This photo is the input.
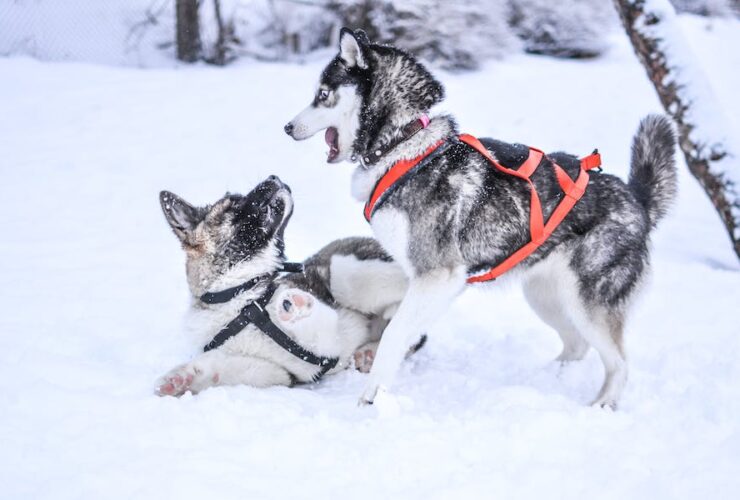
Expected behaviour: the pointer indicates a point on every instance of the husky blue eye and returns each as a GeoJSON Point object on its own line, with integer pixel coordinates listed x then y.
{"type": "Point", "coordinates": [287, 305]}
{"type": "Point", "coordinates": [323, 94]}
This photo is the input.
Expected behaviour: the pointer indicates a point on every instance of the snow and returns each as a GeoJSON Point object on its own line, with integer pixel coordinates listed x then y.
{"type": "Point", "coordinates": [712, 130]}
{"type": "Point", "coordinates": [93, 289]}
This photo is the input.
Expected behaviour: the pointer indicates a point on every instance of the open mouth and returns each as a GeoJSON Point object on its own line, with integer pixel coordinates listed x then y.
{"type": "Point", "coordinates": [283, 204]}
{"type": "Point", "coordinates": [280, 198]}
{"type": "Point", "coordinates": [282, 201]}
{"type": "Point", "coordinates": [275, 194]}
{"type": "Point", "coordinates": [331, 136]}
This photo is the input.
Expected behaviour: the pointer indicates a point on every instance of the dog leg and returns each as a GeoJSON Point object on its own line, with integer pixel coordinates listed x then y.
{"type": "Point", "coordinates": [604, 333]}
{"type": "Point", "coordinates": [553, 291]}
{"type": "Point", "coordinates": [574, 346]}
{"type": "Point", "coordinates": [217, 368]}
{"type": "Point", "coordinates": [615, 363]}
{"type": "Point", "coordinates": [427, 298]}
{"type": "Point", "coordinates": [542, 294]}
{"type": "Point", "coordinates": [365, 355]}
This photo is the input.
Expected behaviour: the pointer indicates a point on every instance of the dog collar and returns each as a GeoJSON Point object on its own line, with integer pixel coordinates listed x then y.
{"type": "Point", "coordinates": [408, 131]}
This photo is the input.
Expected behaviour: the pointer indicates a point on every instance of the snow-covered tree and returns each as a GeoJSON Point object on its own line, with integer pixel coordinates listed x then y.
{"type": "Point", "coordinates": [459, 34]}
{"type": "Point", "coordinates": [706, 7]}
{"type": "Point", "coordinates": [575, 28]}
{"type": "Point", "coordinates": [707, 140]}
{"type": "Point", "coordinates": [281, 29]}
{"type": "Point", "coordinates": [451, 34]}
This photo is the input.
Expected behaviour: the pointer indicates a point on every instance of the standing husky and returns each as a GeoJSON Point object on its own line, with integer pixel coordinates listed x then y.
{"type": "Point", "coordinates": [458, 216]}
{"type": "Point", "coordinates": [338, 304]}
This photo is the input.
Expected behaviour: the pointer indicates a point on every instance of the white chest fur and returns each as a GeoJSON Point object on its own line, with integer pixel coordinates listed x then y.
{"type": "Point", "coordinates": [391, 229]}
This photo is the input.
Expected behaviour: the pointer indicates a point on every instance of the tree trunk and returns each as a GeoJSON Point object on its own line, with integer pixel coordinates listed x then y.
{"type": "Point", "coordinates": [219, 56]}
{"type": "Point", "coordinates": [188, 30]}
{"type": "Point", "coordinates": [705, 137]}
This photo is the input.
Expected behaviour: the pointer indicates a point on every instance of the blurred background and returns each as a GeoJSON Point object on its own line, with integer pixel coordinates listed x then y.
{"type": "Point", "coordinates": [454, 35]}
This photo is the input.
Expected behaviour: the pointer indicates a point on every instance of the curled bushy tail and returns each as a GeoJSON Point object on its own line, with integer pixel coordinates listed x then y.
{"type": "Point", "coordinates": [653, 178]}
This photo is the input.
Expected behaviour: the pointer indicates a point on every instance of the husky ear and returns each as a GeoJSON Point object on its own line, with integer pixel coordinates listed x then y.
{"type": "Point", "coordinates": [350, 47]}
{"type": "Point", "coordinates": [181, 215]}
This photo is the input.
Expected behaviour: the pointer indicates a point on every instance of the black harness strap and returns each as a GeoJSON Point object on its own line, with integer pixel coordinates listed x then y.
{"type": "Point", "coordinates": [292, 267]}
{"type": "Point", "coordinates": [224, 296]}
{"type": "Point", "coordinates": [255, 313]}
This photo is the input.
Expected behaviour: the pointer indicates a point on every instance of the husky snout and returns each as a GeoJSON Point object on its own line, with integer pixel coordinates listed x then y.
{"type": "Point", "coordinates": [278, 182]}
{"type": "Point", "coordinates": [307, 123]}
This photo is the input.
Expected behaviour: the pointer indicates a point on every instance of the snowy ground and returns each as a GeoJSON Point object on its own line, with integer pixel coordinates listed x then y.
{"type": "Point", "coordinates": [92, 292]}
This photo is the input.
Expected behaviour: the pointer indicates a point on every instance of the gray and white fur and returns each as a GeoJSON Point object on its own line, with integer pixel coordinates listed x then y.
{"type": "Point", "coordinates": [336, 308]}
{"type": "Point", "coordinates": [458, 216]}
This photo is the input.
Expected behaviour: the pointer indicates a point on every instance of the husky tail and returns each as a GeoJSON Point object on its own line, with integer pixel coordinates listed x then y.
{"type": "Point", "coordinates": [653, 178]}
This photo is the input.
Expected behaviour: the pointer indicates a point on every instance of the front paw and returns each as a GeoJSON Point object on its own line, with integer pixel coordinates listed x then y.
{"type": "Point", "coordinates": [368, 395]}
{"type": "Point", "coordinates": [294, 305]}
{"type": "Point", "coordinates": [184, 378]}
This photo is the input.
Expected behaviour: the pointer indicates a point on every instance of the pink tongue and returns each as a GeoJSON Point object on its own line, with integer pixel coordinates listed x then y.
{"type": "Point", "coordinates": [330, 136]}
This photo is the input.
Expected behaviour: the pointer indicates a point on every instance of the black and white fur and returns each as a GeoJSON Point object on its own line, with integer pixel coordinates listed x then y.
{"type": "Point", "coordinates": [336, 308]}
{"type": "Point", "coordinates": [458, 216]}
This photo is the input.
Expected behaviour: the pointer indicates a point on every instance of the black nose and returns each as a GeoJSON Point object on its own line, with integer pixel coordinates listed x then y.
{"type": "Point", "coordinates": [276, 181]}
{"type": "Point", "coordinates": [289, 128]}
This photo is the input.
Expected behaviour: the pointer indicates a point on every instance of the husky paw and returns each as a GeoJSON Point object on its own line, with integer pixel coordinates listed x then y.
{"type": "Point", "coordinates": [605, 403]}
{"type": "Point", "coordinates": [364, 358]}
{"type": "Point", "coordinates": [294, 305]}
{"type": "Point", "coordinates": [181, 380]}
{"type": "Point", "coordinates": [368, 395]}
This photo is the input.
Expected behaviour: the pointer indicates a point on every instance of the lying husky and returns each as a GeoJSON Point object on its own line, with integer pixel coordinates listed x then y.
{"type": "Point", "coordinates": [261, 330]}
{"type": "Point", "coordinates": [454, 215]}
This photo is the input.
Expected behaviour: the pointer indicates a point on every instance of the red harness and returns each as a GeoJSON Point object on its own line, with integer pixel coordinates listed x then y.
{"type": "Point", "coordinates": [538, 229]}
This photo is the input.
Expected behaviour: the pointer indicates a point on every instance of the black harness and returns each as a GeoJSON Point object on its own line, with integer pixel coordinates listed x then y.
{"type": "Point", "coordinates": [254, 313]}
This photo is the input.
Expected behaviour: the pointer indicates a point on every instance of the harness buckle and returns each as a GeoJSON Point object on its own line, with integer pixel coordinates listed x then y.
{"type": "Point", "coordinates": [592, 162]}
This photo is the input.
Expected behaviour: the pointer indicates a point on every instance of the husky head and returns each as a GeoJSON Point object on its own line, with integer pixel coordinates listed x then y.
{"type": "Point", "coordinates": [366, 95]}
{"type": "Point", "coordinates": [237, 238]}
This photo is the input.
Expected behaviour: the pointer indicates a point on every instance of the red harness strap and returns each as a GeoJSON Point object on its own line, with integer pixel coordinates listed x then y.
{"type": "Point", "coordinates": [539, 230]}
{"type": "Point", "coordinates": [398, 170]}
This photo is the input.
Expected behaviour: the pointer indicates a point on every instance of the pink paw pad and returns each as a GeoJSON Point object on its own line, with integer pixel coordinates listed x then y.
{"type": "Point", "coordinates": [294, 305]}
{"type": "Point", "coordinates": [175, 385]}
{"type": "Point", "coordinates": [364, 360]}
